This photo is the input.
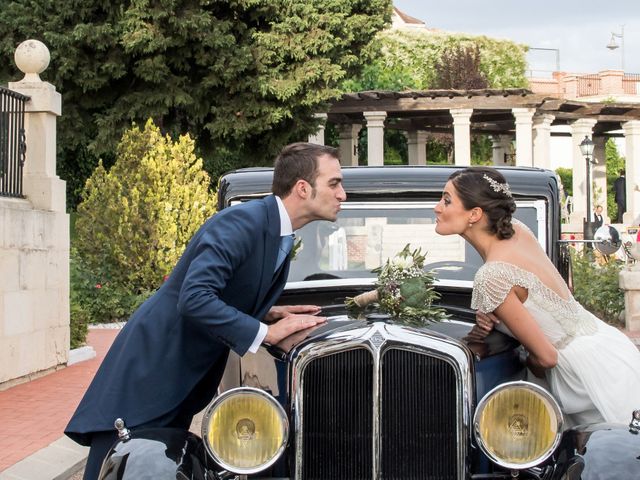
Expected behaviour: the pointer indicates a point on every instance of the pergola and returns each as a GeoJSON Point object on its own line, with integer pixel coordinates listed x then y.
{"type": "Point", "coordinates": [505, 115]}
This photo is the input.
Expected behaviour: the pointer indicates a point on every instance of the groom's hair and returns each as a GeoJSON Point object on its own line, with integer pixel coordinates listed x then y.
{"type": "Point", "coordinates": [298, 161]}
{"type": "Point", "coordinates": [486, 188]}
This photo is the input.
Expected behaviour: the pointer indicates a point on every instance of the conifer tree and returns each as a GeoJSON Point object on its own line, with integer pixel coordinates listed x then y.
{"type": "Point", "coordinates": [136, 219]}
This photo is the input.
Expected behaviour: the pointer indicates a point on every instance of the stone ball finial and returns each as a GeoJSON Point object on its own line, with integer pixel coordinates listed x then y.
{"type": "Point", "coordinates": [32, 58]}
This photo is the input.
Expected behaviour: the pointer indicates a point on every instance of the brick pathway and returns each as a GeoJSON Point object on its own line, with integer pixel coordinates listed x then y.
{"type": "Point", "coordinates": [34, 414]}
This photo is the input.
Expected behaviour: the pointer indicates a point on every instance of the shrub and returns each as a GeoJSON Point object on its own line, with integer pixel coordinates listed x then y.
{"type": "Point", "coordinates": [136, 219]}
{"type": "Point", "coordinates": [596, 285]}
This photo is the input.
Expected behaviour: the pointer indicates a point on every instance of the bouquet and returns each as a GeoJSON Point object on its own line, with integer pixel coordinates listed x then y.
{"type": "Point", "coordinates": [404, 289]}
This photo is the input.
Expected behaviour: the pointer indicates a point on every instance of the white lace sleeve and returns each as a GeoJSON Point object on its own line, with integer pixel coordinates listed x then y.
{"type": "Point", "coordinates": [491, 285]}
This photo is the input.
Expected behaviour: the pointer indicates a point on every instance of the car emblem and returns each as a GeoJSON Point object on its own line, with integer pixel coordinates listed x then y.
{"type": "Point", "coordinates": [518, 426]}
{"type": "Point", "coordinates": [245, 429]}
{"type": "Point", "coordinates": [376, 339]}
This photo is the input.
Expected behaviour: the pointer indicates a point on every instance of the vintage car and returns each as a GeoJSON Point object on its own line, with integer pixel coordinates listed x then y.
{"type": "Point", "coordinates": [368, 397]}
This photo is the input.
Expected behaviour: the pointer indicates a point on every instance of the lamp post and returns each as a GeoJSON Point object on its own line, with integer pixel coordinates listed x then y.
{"type": "Point", "coordinates": [586, 148]}
{"type": "Point", "coordinates": [612, 45]}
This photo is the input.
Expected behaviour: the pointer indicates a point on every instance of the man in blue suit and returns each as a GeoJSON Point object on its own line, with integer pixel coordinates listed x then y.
{"type": "Point", "coordinates": [167, 362]}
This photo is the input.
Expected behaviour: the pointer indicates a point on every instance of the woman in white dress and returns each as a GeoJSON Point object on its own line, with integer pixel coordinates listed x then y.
{"type": "Point", "coordinates": [592, 368]}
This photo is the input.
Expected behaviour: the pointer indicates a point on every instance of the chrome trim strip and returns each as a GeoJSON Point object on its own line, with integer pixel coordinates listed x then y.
{"type": "Point", "coordinates": [364, 281]}
{"type": "Point", "coordinates": [393, 337]}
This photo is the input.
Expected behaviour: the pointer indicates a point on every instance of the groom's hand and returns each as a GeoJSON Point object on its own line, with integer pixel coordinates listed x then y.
{"type": "Point", "coordinates": [278, 312]}
{"type": "Point", "coordinates": [291, 324]}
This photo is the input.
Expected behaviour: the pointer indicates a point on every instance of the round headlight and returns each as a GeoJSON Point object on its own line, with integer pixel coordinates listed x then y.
{"type": "Point", "coordinates": [518, 425]}
{"type": "Point", "coordinates": [245, 430]}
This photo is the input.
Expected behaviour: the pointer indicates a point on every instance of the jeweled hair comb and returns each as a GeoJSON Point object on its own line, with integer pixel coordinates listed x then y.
{"type": "Point", "coordinates": [497, 186]}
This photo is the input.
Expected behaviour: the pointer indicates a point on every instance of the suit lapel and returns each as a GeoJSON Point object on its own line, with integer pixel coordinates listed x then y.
{"type": "Point", "coordinates": [272, 243]}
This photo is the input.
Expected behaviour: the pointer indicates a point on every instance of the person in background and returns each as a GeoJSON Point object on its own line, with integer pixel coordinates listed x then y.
{"type": "Point", "coordinates": [166, 364]}
{"type": "Point", "coordinates": [620, 195]}
{"type": "Point", "coordinates": [597, 219]}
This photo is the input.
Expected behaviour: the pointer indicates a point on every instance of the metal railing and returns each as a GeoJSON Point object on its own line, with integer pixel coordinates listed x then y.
{"type": "Point", "coordinates": [13, 146]}
{"type": "Point", "coordinates": [631, 83]}
{"type": "Point", "coordinates": [588, 85]}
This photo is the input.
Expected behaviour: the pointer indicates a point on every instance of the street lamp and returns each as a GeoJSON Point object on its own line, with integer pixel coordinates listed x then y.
{"type": "Point", "coordinates": [586, 148]}
{"type": "Point", "coordinates": [612, 45]}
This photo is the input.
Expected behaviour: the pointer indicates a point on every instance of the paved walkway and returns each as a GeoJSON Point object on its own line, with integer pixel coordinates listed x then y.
{"type": "Point", "coordinates": [33, 416]}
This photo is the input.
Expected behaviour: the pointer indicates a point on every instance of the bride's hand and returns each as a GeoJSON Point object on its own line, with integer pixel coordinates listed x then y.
{"type": "Point", "coordinates": [486, 322]}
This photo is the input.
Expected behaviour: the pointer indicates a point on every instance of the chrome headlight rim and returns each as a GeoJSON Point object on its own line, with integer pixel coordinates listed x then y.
{"type": "Point", "coordinates": [549, 400]}
{"type": "Point", "coordinates": [216, 403]}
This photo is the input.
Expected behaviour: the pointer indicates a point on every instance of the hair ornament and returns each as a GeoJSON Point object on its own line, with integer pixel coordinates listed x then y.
{"type": "Point", "coordinates": [497, 186]}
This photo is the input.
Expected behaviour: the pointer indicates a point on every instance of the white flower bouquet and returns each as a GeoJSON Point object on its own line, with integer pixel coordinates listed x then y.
{"type": "Point", "coordinates": [404, 289]}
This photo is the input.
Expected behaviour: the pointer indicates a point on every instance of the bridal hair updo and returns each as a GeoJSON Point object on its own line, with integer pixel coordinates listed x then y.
{"type": "Point", "coordinates": [487, 188]}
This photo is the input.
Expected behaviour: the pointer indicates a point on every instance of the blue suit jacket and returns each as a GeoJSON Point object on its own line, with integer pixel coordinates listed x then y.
{"type": "Point", "coordinates": [173, 350]}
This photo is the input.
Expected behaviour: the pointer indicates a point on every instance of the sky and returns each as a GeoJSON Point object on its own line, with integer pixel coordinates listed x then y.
{"type": "Point", "coordinates": [577, 31]}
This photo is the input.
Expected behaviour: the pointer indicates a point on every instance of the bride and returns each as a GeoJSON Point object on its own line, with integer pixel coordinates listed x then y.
{"type": "Point", "coordinates": [592, 368]}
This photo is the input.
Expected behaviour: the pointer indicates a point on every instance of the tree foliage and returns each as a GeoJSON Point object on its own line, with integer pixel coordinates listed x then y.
{"type": "Point", "coordinates": [136, 219]}
{"type": "Point", "coordinates": [409, 59]}
{"type": "Point", "coordinates": [243, 76]}
{"type": "Point", "coordinates": [459, 68]}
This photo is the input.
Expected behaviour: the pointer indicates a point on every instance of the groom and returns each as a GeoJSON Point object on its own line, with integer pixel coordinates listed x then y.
{"type": "Point", "coordinates": [167, 362]}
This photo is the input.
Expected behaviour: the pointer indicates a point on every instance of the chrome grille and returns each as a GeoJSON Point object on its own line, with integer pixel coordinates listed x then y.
{"type": "Point", "coordinates": [418, 421]}
{"type": "Point", "coordinates": [338, 429]}
{"type": "Point", "coordinates": [372, 409]}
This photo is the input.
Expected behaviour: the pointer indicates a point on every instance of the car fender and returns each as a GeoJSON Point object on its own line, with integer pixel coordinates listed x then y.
{"type": "Point", "coordinates": [601, 451]}
{"type": "Point", "coordinates": [158, 453]}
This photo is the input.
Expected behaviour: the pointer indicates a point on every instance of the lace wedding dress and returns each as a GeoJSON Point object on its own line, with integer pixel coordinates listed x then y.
{"type": "Point", "coordinates": [597, 377]}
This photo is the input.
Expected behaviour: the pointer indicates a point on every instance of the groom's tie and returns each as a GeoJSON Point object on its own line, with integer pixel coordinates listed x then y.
{"type": "Point", "coordinates": [286, 244]}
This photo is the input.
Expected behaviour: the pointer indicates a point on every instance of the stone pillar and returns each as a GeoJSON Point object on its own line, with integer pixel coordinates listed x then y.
{"type": "Point", "coordinates": [34, 250]}
{"type": "Point", "coordinates": [318, 137]}
{"type": "Point", "coordinates": [524, 134]}
{"type": "Point", "coordinates": [632, 171]}
{"type": "Point", "coordinates": [541, 140]}
{"type": "Point", "coordinates": [42, 186]}
{"type": "Point", "coordinates": [375, 137]}
{"type": "Point", "coordinates": [462, 135]}
{"type": "Point", "coordinates": [348, 147]}
{"type": "Point", "coordinates": [501, 145]}
{"type": "Point", "coordinates": [580, 129]}
{"type": "Point", "coordinates": [611, 82]}
{"type": "Point", "coordinates": [599, 175]}
{"type": "Point", "coordinates": [417, 147]}
{"type": "Point", "coordinates": [629, 281]}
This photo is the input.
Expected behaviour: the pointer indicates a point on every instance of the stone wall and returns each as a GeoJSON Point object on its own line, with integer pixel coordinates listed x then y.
{"type": "Point", "coordinates": [34, 238]}
{"type": "Point", "coordinates": [34, 289]}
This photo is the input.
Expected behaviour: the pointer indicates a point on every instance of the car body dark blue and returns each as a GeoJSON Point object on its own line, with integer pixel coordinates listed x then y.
{"type": "Point", "coordinates": [367, 396]}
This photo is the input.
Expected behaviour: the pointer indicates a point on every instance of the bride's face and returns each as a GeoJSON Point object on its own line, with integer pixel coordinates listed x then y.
{"type": "Point", "coordinates": [451, 216]}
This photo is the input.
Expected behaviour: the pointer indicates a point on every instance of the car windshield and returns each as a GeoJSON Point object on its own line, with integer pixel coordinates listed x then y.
{"type": "Point", "coordinates": [365, 235]}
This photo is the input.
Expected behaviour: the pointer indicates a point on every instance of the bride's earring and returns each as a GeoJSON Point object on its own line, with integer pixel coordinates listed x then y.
{"type": "Point", "coordinates": [470, 224]}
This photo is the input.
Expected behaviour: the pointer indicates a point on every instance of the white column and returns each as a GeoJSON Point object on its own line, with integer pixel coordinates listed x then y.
{"type": "Point", "coordinates": [501, 145]}
{"type": "Point", "coordinates": [348, 147]}
{"type": "Point", "coordinates": [580, 129]}
{"type": "Point", "coordinates": [375, 137]}
{"type": "Point", "coordinates": [599, 175]}
{"type": "Point", "coordinates": [417, 147]}
{"type": "Point", "coordinates": [462, 135]}
{"type": "Point", "coordinates": [632, 171]}
{"type": "Point", "coordinates": [524, 134]}
{"type": "Point", "coordinates": [542, 140]}
{"type": "Point", "coordinates": [318, 137]}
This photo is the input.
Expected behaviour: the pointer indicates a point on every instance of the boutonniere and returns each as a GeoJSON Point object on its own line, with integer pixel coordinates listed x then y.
{"type": "Point", "coordinates": [297, 247]}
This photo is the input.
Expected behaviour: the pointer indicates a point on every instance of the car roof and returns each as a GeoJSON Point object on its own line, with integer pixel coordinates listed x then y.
{"type": "Point", "coordinates": [392, 181]}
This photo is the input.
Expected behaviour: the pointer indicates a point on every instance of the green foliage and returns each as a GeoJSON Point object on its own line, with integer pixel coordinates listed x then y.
{"type": "Point", "coordinates": [596, 285]}
{"type": "Point", "coordinates": [95, 301]}
{"type": "Point", "coordinates": [135, 220]}
{"type": "Point", "coordinates": [566, 177]}
{"type": "Point", "coordinates": [409, 60]}
{"type": "Point", "coordinates": [614, 163]}
{"type": "Point", "coordinates": [246, 75]}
